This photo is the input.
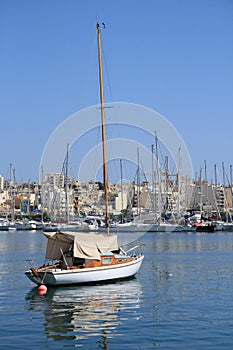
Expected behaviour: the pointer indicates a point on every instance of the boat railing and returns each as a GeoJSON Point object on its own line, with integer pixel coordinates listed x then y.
{"type": "Point", "coordinates": [136, 248]}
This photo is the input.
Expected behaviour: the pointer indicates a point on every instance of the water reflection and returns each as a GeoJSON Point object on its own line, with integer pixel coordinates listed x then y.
{"type": "Point", "coordinates": [82, 312]}
{"type": "Point", "coordinates": [185, 242]}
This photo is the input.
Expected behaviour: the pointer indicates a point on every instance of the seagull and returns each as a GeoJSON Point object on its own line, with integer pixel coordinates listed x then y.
{"type": "Point", "coordinates": [104, 26]}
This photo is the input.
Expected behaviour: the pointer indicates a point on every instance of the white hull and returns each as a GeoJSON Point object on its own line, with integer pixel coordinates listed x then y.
{"type": "Point", "coordinates": [227, 226]}
{"type": "Point", "coordinates": [218, 226]}
{"type": "Point", "coordinates": [188, 228]}
{"type": "Point", "coordinates": [169, 228]}
{"type": "Point", "coordinates": [56, 277]}
{"type": "Point", "coordinates": [153, 227]}
{"type": "Point", "coordinates": [131, 227]}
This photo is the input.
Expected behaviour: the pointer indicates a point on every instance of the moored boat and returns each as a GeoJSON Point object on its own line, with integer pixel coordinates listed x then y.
{"type": "Point", "coordinates": [205, 227]}
{"type": "Point", "coordinates": [227, 226]}
{"type": "Point", "coordinates": [169, 227]}
{"type": "Point", "coordinates": [79, 257]}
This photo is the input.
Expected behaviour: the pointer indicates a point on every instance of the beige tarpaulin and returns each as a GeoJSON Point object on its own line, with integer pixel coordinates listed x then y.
{"type": "Point", "coordinates": [57, 242]}
{"type": "Point", "coordinates": [89, 246]}
{"type": "Point", "coordinates": [85, 245]}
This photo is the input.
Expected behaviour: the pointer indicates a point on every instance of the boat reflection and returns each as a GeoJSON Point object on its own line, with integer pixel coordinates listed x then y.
{"type": "Point", "coordinates": [87, 311]}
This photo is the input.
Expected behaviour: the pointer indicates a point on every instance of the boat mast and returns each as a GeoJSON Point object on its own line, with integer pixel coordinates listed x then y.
{"type": "Point", "coordinates": [105, 174]}
{"type": "Point", "coordinates": [12, 196]}
{"type": "Point", "coordinates": [138, 185]}
{"type": "Point", "coordinates": [179, 183]}
{"type": "Point", "coordinates": [159, 200]}
{"type": "Point", "coordinates": [42, 194]}
{"type": "Point", "coordinates": [121, 193]}
{"type": "Point", "coordinates": [66, 185]}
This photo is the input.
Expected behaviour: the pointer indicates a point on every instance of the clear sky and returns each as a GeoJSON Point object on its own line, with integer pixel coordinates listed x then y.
{"type": "Point", "coordinates": [173, 56]}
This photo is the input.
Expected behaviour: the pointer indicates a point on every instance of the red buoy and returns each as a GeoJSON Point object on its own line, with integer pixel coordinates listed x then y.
{"type": "Point", "coordinates": [42, 289]}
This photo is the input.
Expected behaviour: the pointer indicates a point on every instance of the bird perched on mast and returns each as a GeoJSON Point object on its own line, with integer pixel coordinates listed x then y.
{"type": "Point", "coordinates": [98, 26]}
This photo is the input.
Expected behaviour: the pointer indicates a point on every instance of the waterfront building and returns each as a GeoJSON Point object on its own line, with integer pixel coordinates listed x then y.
{"type": "Point", "coordinates": [64, 196]}
{"type": "Point", "coordinates": [55, 180]}
{"type": "Point", "coordinates": [121, 201]}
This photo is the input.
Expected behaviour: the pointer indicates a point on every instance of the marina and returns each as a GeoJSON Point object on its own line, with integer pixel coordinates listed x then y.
{"type": "Point", "coordinates": [116, 222]}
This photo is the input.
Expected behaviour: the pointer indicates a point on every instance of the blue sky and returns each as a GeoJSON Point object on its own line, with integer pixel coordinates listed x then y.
{"type": "Point", "coordinates": [173, 56]}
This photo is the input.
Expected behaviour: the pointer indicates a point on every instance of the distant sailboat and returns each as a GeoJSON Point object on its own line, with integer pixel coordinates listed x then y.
{"type": "Point", "coordinates": [79, 258]}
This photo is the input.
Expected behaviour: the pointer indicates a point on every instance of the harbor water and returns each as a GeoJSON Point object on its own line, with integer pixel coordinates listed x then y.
{"type": "Point", "coordinates": [180, 299]}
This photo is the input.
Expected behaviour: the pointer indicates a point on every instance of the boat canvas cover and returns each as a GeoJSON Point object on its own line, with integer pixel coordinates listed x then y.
{"type": "Point", "coordinates": [84, 245]}
{"type": "Point", "coordinates": [57, 243]}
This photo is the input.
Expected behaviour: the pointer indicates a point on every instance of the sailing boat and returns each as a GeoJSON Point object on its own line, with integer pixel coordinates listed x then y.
{"type": "Point", "coordinates": [78, 257]}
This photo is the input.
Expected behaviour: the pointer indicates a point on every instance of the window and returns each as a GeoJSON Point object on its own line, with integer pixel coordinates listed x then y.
{"type": "Point", "coordinates": [107, 261]}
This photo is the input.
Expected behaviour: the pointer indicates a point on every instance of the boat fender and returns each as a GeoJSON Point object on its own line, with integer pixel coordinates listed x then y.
{"type": "Point", "coordinates": [42, 289]}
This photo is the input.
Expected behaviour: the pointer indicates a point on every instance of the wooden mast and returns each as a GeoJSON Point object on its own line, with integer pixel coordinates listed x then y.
{"type": "Point", "coordinates": [105, 173]}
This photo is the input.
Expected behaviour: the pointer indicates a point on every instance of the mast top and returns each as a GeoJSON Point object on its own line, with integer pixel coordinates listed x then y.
{"type": "Point", "coordinates": [98, 25]}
